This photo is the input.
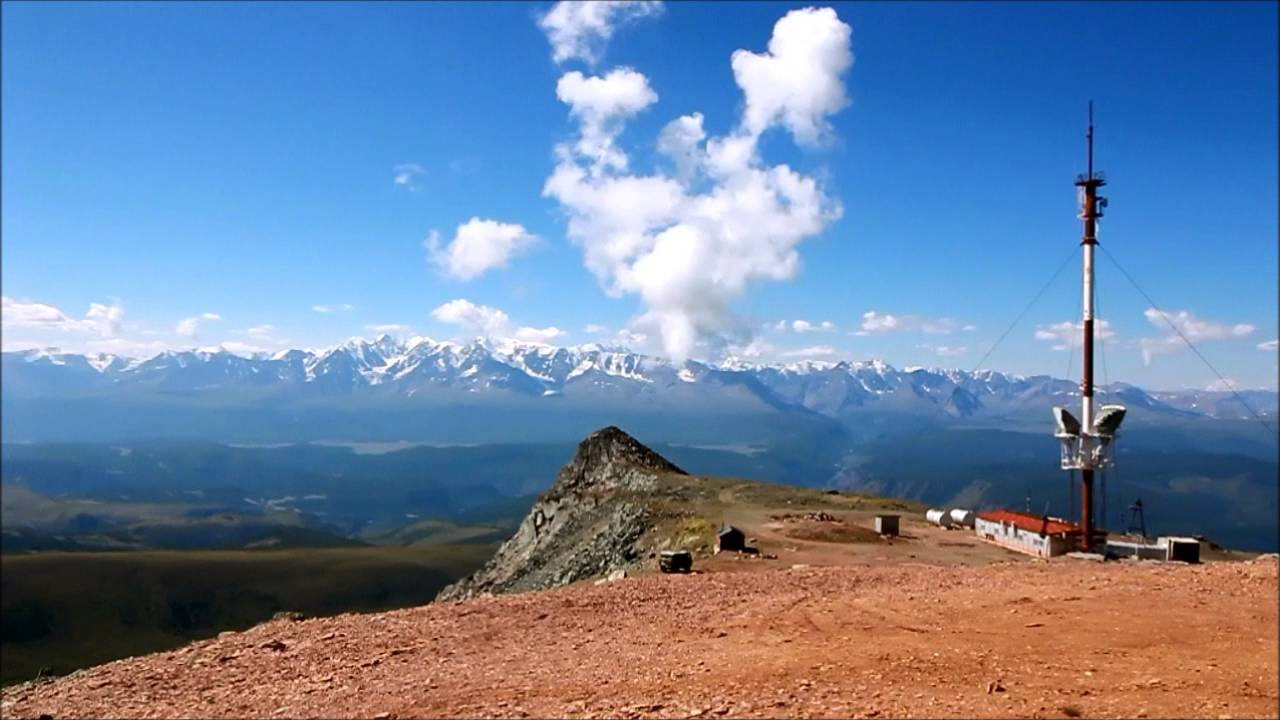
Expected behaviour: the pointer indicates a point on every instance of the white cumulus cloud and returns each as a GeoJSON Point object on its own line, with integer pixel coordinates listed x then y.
{"type": "Point", "coordinates": [491, 322]}
{"type": "Point", "coordinates": [581, 29]}
{"type": "Point", "coordinates": [480, 318]}
{"type": "Point", "coordinates": [262, 337]}
{"type": "Point", "coordinates": [101, 319]}
{"type": "Point", "coordinates": [814, 351]}
{"type": "Point", "coordinates": [681, 141]}
{"type": "Point", "coordinates": [478, 246]}
{"type": "Point", "coordinates": [1192, 328]}
{"type": "Point", "coordinates": [632, 339]}
{"type": "Point", "coordinates": [804, 326]}
{"type": "Point", "coordinates": [16, 313]}
{"type": "Point", "coordinates": [104, 319]}
{"type": "Point", "coordinates": [797, 83]}
{"type": "Point", "coordinates": [1067, 334]}
{"type": "Point", "coordinates": [757, 349]}
{"type": "Point", "coordinates": [602, 105]}
{"type": "Point", "coordinates": [1271, 345]}
{"type": "Point", "coordinates": [189, 327]}
{"type": "Point", "coordinates": [406, 175]}
{"type": "Point", "coordinates": [689, 243]}
{"type": "Point", "coordinates": [875, 323]}
{"type": "Point", "coordinates": [535, 334]}
{"type": "Point", "coordinates": [332, 308]}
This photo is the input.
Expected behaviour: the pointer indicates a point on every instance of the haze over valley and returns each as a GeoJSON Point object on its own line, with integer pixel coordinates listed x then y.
{"type": "Point", "coordinates": [430, 425]}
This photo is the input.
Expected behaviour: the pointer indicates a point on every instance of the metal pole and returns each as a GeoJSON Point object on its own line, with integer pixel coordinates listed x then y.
{"type": "Point", "coordinates": [1089, 213]}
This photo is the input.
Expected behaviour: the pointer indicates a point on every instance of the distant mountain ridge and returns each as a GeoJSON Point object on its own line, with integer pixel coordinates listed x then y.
{"type": "Point", "coordinates": [947, 436]}
{"type": "Point", "coordinates": [386, 368]}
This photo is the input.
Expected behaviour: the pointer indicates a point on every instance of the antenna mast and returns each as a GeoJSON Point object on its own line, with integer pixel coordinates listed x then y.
{"type": "Point", "coordinates": [1088, 443]}
{"type": "Point", "coordinates": [1090, 204]}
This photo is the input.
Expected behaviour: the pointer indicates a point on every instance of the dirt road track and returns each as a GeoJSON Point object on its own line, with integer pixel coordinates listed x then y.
{"type": "Point", "coordinates": [1059, 639]}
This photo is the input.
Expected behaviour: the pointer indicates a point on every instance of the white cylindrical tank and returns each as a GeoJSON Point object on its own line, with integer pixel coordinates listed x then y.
{"type": "Point", "coordinates": [938, 517]}
{"type": "Point", "coordinates": [962, 517]}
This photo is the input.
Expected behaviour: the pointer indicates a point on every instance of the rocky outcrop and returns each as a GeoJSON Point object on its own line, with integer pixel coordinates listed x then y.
{"type": "Point", "coordinates": [589, 523]}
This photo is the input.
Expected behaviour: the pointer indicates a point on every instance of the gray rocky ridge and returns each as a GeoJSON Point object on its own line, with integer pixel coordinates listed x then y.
{"type": "Point", "coordinates": [589, 523]}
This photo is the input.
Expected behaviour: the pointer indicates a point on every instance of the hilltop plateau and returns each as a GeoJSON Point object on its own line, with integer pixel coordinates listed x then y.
{"type": "Point", "coordinates": [1062, 639]}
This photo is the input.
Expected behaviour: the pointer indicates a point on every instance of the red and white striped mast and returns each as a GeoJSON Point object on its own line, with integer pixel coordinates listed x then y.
{"type": "Point", "coordinates": [1088, 444]}
{"type": "Point", "coordinates": [1089, 214]}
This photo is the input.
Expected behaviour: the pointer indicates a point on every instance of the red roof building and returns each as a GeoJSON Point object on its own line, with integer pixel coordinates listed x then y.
{"type": "Point", "coordinates": [1031, 523]}
{"type": "Point", "coordinates": [1037, 535]}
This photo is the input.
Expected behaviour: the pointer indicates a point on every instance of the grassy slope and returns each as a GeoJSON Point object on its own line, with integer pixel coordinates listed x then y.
{"type": "Point", "coordinates": [689, 509]}
{"type": "Point", "coordinates": [66, 610]}
{"type": "Point", "coordinates": [436, 532]}
{"type": "Point", "coordinates": [97, 607]}
{"type": "Point", "coordinates": [35, 522]}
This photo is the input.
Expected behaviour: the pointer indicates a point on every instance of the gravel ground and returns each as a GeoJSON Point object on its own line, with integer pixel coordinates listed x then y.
{"type": "Point", "coordinates": [1061, 639]}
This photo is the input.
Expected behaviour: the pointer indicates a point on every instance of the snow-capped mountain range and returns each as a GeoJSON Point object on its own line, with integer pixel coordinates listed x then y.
{"type": "Point", "coordinates": [422, 368]}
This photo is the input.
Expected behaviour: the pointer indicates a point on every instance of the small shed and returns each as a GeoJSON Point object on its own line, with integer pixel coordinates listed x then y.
{"type": "Point", "coordinates": [1181, 549]}
{"type": "Point", "coordinates": [675, 561]}
{"type": "Point", "coordinates": [887, 524]}
{"type": "Point", "coordinates": [731, 538]}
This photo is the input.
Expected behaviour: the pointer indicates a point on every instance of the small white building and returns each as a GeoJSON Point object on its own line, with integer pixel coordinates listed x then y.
{"type": "Point", "coordinates": [1025, 533]}
{"type": "Point", "coordinates": [1181, 549]}
{"type": "Point", "coordinates": [1170, 549]}
{"type": "Point", "coordinates": [887, 524]}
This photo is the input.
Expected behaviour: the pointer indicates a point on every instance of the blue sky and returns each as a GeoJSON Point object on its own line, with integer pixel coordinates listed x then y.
{"type": "Point", "coordinates": [252, 162]}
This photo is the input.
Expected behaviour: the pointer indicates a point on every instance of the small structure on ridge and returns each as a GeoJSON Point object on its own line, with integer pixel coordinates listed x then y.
{"type": "Point", "coordinates": [731, 539]}
{"type": "Point", "coordinates": [887, 525]}
{"type": "Point", "coordinates": [1042, 536]}
{"type": "Point", "coordinates": [671, 561]}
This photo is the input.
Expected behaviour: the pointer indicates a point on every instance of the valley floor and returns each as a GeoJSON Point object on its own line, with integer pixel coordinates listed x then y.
{"type": "Point", "coordinates": [1066, 638]}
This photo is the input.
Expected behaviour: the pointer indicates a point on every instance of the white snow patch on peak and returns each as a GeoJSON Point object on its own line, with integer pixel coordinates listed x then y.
{"type": "Point", "coordinates": [101, 361]}
{"type": "Point", "coordinates": [621, 365]}
{"type": "Point", "coordinates": [736, 363]}
{"type": "Point", "coordinates": [580, 369]}
{"type": "Point", "coordinates": [879, 366]}
{"type": "Point", "coordinates": [687, 375]}
{"type": "Point", "coordinates": [802, 367]}
{"type": "Point", "coordinates": [52, 354]}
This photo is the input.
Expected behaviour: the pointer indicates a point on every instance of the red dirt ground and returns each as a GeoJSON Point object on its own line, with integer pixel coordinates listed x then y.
{"type": "Point", "coordinates": [1059, 639]}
